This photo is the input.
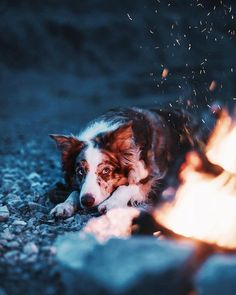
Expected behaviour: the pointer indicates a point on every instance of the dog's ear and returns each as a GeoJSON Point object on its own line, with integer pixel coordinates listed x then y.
{"type": "Point", "coordinates": [121, 142]}
{"type": "Point", "coordinates": [65, 143]}
{"type": "Point", "coordinates": [121, 139]}
{"type": "Point", "coordinates": [70, 147]}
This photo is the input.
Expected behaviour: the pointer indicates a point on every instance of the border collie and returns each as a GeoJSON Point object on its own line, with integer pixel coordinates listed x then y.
{"type": "Point", "coordinates": [120, 158]}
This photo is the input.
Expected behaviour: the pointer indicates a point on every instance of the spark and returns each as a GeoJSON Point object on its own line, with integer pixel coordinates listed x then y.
{"type": "Point", "coordinates": [129, 17]}
{"type": "Point", "coordinates": [200, 4]}
{"type": "Point", "coordinates": [165, 73]}
{"type": "Point", "coordinates": [212, 86]}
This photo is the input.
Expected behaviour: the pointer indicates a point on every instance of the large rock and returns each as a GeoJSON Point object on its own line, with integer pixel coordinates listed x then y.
{"type": "Point", "coordinates": [217, 276]}
{"type": "Point", "coordinates": [140, 265]}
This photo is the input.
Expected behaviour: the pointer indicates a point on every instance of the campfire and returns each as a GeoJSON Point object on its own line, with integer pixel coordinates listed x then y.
{"type": "Point", "coordinates": [204, 207]}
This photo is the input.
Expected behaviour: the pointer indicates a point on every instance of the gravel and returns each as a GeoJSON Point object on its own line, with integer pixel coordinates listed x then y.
{"type": "Point", "coordinates": [27, 232]}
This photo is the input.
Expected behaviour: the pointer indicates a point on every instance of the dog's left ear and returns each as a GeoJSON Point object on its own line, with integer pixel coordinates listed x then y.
{"type": "Point", "coordinates": [70, 147]}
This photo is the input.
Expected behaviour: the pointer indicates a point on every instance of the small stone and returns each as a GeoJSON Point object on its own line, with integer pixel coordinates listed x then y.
{"type": "Point", "coordinates": [12, 245]}
{"type": "Point", "coordinates": [3, 242]}
{"type": "Point", "coordinates": [32, 258]}
{"type": "Point", "coordinates": [34, 176]}
{"type": "Point", "coordinates": [69, 220]}
{"type": "Point", "coordinates": [11, 255]}
{"type": "Point", "coordinates": [17, 230]}
{"type": "Point", "coordinates": [31, 222]}
{"type": "Point", "coordinates": [23, 256]}
{"type": "Point", "coordinates": [38, 207]}
{"type": "Point", "coordinates": [13, 199]}
{"type": "Point", "coordinates": [30, 249]}
{"type": "Point", "coordinates": [7, 186]}
{"type": "Point", "coordinates": [7, 235]}
{"type": "Point", "coordinates": [4, 213]}
{"type": "Point", "coordinates": [19, 223]}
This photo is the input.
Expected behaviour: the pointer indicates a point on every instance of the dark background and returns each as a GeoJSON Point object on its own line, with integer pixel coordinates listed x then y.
{"type": "Point", "coordinates": [62, 62]}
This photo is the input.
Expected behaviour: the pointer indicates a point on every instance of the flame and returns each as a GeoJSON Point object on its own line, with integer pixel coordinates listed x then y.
{"type": "Point", "coordinates": [205, 204]}
{"type": "Point", "coordinates": [220, 149]}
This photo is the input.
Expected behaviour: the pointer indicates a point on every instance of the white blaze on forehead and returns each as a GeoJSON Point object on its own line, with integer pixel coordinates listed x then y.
{"type": "Point", "coordinates": [93, 156]}
{"type": "Point", "coordinates": [96, 128]}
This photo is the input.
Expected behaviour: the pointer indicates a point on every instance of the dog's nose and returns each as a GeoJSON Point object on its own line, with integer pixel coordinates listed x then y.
{"type": "Point", "coordinates": [87, 200]}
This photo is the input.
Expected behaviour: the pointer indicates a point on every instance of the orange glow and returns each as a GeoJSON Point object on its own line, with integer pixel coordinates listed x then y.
{"type": "Point", "coordinates": [205, 204]}
{"type": "Point", "coordinates": [221, 149]}
{"type": "Point", "coordinates": [116, 223]}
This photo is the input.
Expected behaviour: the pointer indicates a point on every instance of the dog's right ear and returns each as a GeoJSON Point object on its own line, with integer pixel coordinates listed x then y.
{"type": "Point", "coordinates": [70, 147]}
{"type": "Point", "coordinates": [65, 143]}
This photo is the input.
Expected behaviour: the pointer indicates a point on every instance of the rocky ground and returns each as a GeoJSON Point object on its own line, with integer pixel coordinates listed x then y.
{"type": "Point", "coordinates": [27, 232]}
{"type": "Point", "coordinates": [63, 64]}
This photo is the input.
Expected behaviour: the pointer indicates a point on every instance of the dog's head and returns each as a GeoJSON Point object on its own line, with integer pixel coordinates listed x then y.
{"type": "Point", "coordinates": [100, 165]}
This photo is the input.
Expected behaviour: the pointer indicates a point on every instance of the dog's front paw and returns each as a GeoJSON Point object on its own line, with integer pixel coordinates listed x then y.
{"type": "Point", "coordinates": [63, 210]}
{"type": "Point", "coordinates": [102, 209]}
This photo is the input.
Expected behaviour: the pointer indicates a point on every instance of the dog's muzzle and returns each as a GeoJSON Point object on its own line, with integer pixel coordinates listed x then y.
{"type": "Point", "coordinates": [87, 200]}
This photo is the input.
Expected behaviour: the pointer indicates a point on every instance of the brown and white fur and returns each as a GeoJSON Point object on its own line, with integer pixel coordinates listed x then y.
{"type": "Point", "coordinates": [120, 157]}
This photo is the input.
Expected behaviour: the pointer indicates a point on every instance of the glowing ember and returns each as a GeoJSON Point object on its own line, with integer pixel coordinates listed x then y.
{"type": "Point", "coordinates": [165, 73]}
{"type": "Point", "coordinates": [205, 204]}
{"type": "Point", "coordinates": [212, 86]}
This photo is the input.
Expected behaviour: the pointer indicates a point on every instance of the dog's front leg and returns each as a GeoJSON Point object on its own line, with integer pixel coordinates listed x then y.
{"type": "Point", "coordinates": [67, 208]}
{"type": "Point", "coordinates": [121, 197]}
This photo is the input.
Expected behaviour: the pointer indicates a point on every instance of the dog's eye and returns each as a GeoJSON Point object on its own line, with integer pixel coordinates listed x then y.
{"type": "Point", "coordinates": [80, 171]}
{"type": "Point", "coordinates": [106, 171]}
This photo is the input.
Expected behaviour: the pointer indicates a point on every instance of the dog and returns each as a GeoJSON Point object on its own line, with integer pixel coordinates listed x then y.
{"type": "Point", "coordinates": [120, 158]}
